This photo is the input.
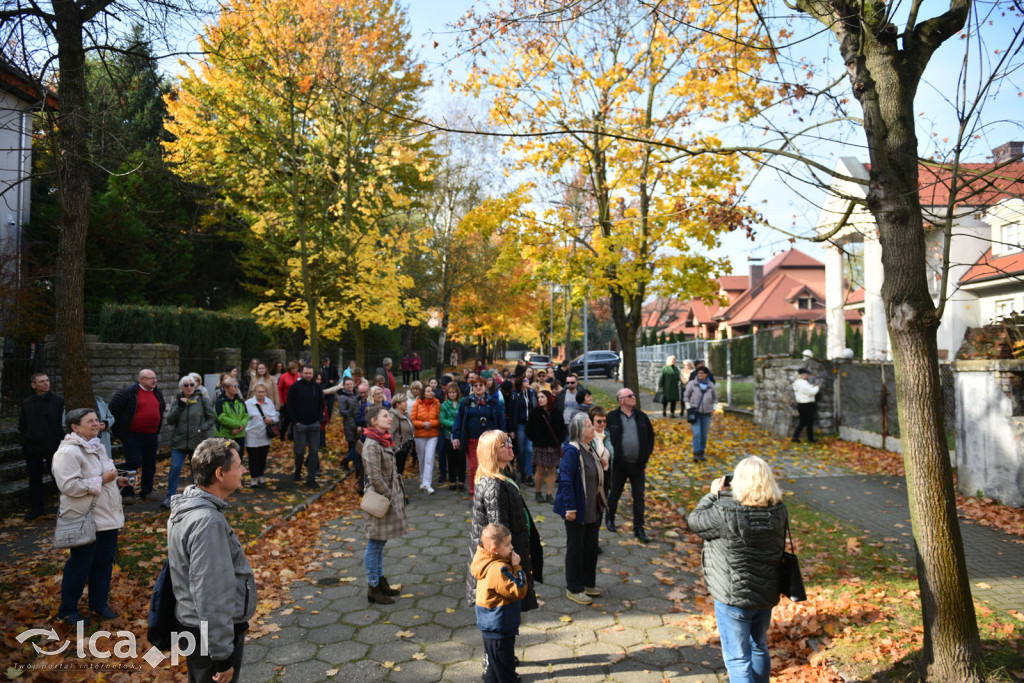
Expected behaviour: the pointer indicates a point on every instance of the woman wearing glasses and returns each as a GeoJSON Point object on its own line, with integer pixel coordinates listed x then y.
{"type": "Point", "coordinates": [497, 500]}
{"type": "Point", "coordinates": [192, 417]}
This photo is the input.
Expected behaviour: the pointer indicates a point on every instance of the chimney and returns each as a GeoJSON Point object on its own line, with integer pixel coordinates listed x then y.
{"type": "Point", "coordinates": [1008, 151]}
{"type": "Point", "coordinates": [756, 271]}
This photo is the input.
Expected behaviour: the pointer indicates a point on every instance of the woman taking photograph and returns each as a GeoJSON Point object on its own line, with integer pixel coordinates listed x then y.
{"type": "Point", "coordinates": [669, 385]}
{"type": "Point", "coordinates": [193, 417]}
{"type": "Point", "coordinates": [266, 380]}
{"type": "Point", "coordinates": [702, 397]}
{"type": "Point", "coordinates": [546, 431]}
{"type": "Point", "coordinates": [384, 478]}
{"type": "Point", "coordinates": [262, 414]}
{"type": "Point", "coordinates": [743, 524]}
{"type": "Point", "coordinates": [580, 502]}
{"type": "Point", "coordinates": [456, 457]}
{"type": "Point", "coordinates": [87, 479]}
{"type": "Point", "coordinates": [426, 424]}
{"type": "Point", "coordinates": [497, 500]}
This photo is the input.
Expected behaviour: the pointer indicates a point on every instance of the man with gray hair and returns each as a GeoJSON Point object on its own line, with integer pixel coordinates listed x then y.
{"type": "Point", "coordinates": [632, 443]}
{"type": "Point", "coordinates": [213, 582]}
{"type": "Point", "coordinates": [138, 412]}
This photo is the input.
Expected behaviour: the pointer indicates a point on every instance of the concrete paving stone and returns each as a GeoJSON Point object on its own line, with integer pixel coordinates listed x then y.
{"type": "Point", "coordinates": [627, 637]}
{"type": "Point", "coordinates": [429, 569]}
{"type": "Point", "coordinates": [546, 652]}
{"type": "Point", "coordinates": [460, 617]}
{"type": "Point", "coordinates": [423, 590]}
{"type": "Point", "coordinates": [467, 634]}
{"type": "Point", "coordinates": [342, 651]}
{"type": "Point", "coordinates": [594, 651]}
{"type": "Point", "coordinates": [360, 618]}
{"type": "Point", "coordinates": [468, 671]}
{"type": "Point", "coordinates": [259, 672]}
{"type": "Point", "coordinates": [656, 656]}
{"type": "Point", "coordinates": [377, 633]}
{"type": "Point", "coordinates": [655, 604]}
{"type": "Point", "coordinates": [319, 617]}
{"type": "Point", "coordinates": [330, 633]}
{"type": "Point", "coordinates": [411, 617]}
{"type": "Point", "coordinates": [254, 652]}
{"type": "Point", "coordinates": [446, 652]}
{"type": "Point", "coordinates": [396, 650]}
{"type": "Point", "coordinates": [309, 670]}
{"type": "Point", "coordinates": [346, 590]}
{"type": "Point", "coordinates": [669, 634]}
{"type": "Point", "coordinates": [285, 636]}
{"type": "Point", "coordinates": [639, 620]}
{"type": "Point", "coordinates": [430, 633]}
{"type": "Point", "coordinates": [289, 653]}
{"type": "Point", "coordinates": [421, 671]}
{"type": "Point", "coordinates": [438, 603]}
{"type": "Point", "coordinates": [364, 671]}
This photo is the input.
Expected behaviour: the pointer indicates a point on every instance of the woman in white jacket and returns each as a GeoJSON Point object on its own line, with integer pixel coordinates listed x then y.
{"type": "Point", "coordinates": [805, 394]}
{"type": "Point", "coordinates": [87, 479]}
{"type": "Point", "coordinates": [262, 414]}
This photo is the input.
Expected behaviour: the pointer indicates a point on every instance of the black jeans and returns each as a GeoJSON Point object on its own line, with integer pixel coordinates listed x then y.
{"type": "Point", "coordinates": [501, 660]}
{"type": "Point", "coordinates": [580, 555]}
{"type": "Point", "coordinates": [201, 669]}
{"type": "Point", "coordinates": [37, 468]}
{"type": "Point", "coordinates": [456, 464]}
{"type": "Point", "coordinates": [668, 407]}
{"type": "Point", "coordinates": [257, 460]}
{"type": "Point", "coordinates": [806, 411]}
{"type": "Point", "coordinates": [635, 472]}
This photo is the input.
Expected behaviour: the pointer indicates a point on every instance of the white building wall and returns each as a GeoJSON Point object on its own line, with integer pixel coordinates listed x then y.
{"type": "Point", "coordinates": [15, 168]}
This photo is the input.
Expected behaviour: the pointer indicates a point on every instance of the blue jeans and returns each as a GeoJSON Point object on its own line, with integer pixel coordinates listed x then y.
{"type": "Point", "coordinates": [524, 451]}
{"type": "Point", "coordinates": [89, 564]}
{"type": "Point", "coordinates": [744, 634]}
{"type": "Point", "coordinates": [700, 432]}
{"type": "Point", "coordinates": [178, 458]}
{"type": "Point", "coordinates": [374, 561]}
{"type": "Point", "coordinates": [140, 449]}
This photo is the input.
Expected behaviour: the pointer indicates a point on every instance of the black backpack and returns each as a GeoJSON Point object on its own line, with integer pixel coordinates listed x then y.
{"type": "Point", "coordinates": [162, 622]}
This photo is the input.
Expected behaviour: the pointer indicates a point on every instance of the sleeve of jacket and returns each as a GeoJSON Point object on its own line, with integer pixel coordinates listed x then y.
{"type": "Point", "coordinates": [460, 419]}
{"type": "Point", "coordinates": [649, 431]}
{"type": "Point", "coordinates": [446, 418]}
{"type": "Point", "coordinates": [67, 473]}
{"type": "Point", "coordinates": [568, 471]}
{"type": "Point", "coordinates": [212, 582]}
{"type": "Point", "coordinates": [512, 585]}
{"type": "Point", "coordinates": [174, 413]}
{"type": "Point", "coordinates": [371, 467]}
{"type": "Point", "coordinates": [163, 405]}
{"type": "Point", "coordinates": [499, 416]}
{"type": "Point", "coordinates": [103, 413]}
{"type": "Point", "coordinates": [706, 520]}
{"type": "Point", "coordinates": [118, 402]}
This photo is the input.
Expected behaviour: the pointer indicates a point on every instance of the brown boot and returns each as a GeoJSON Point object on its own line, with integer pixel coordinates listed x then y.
{"type": "Point", "coordinates": [386, 588]}
{"type": "Point", "coordinates": [374, 594]}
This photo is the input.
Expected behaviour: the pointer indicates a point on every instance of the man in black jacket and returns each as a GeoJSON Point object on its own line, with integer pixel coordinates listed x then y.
{"type": "Point", "coordinates": [633, 441]}
{"type": "Point", "coordinates": [138, 412]}
{"type": "Point", "coordinates": [41, 427]}
{"type": "Point", "coordinates": [307, 408]}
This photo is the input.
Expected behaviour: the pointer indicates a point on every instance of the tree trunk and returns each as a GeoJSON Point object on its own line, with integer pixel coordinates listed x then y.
{"type": "Point", "coordinates": [625, 332]}
{"type": "Point", "coordinates": [952, 649]}
{"type": "Point", "coordinates": [74, 184]}
{"type": "Point", "coordinates": [442, 333]}
{"type": "Point", "coordinates": [360, 339]}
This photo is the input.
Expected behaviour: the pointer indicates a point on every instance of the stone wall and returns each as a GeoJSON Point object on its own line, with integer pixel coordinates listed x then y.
{"type": "Point", "coordinates": [649, 373]}
{"type": "Point", "coordinates": [115, 366]}
{"type": "Point", "coordinates": [990, 428]}
{"type": "Point", "coordinates": [775, 407]}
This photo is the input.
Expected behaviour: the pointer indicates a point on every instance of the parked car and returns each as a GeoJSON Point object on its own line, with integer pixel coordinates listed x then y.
{"type": "Point", "coordinates": [599, 363]}
{"type": "Point", "coordinates": [539, 362]}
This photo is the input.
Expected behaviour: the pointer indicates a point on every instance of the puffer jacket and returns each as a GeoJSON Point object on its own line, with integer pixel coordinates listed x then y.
{"type": "Point", "coordinates": [804, 391]}
{"type": "Point", "coordinates": [78, 467]}
{"type": "Point", "coordinates": [742, 549]}
{"type": "Point", "coordinates": [707, 402]}
{"type": "Point", "coordinates": [193, 422]}
{"type": "Point", "coordinates": [498, 501]}
{"type": "Point", "coordinates": [424, 411]}
{"type": "Point", "coordinates": [212, 579]}
{"type": "Point", "coordinates": [231, 415]}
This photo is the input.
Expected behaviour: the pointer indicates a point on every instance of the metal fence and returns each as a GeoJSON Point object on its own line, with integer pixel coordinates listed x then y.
{"type": "Point", "coordinates": [20, 362]}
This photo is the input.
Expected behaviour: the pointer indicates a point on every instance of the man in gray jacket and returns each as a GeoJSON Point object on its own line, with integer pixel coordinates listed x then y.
{"type": "Point", "coordinates": [213, 582]}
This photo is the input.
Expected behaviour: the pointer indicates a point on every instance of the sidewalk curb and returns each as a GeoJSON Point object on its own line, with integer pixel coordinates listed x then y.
{"type": "Point", "coordinates": [300, 507]}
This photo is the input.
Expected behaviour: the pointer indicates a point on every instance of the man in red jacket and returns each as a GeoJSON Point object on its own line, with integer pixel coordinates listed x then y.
{"type": "Point", "coordinates": [138, 412]}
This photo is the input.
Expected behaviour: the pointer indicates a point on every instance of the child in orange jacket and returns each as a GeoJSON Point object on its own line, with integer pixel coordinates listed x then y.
{"type": "Point", "coordinates": [501, 586]}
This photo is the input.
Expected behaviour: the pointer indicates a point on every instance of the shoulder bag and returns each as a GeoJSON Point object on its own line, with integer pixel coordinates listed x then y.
{"type": "Point", "coordinates": [374, 503]}
{"type": "Point", "coordinates": [75, 530]}
{"type": "Point", "coordinates": [791, 582]}
{"type": "Point", "coordinates": [691, 412]}
{"type": "Point", "coordinates": [273, 430]}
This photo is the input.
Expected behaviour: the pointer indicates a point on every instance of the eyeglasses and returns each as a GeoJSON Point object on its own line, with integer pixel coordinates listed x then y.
{"type": "Point", "coordinates": [600, 422]}
{"type": "Point", "coordinates": [570, 384]}
{"type": "Point", "coordinates": [189, 384]}
{"type": "Point", "coordinates": [507, 444]}
{"type": "Point", "coordinates": [629, 396]}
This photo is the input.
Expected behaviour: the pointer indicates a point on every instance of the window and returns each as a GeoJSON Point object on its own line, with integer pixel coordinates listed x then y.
{"type": "Point", "coordinates": [1010, 240]}
{"type": "Point", "coordinates": [805, 302]}
{"type": "Point", "coordinates": [1004, 307]}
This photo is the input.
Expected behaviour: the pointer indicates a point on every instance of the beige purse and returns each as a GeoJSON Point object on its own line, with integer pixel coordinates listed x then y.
{"type": "Point", "coordinates": [374, 503]}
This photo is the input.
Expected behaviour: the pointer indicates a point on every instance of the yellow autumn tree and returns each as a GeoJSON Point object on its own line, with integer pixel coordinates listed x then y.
{"type": "Point", "coordinates": [595, 89]}
{"type": "Point", "coordinates": [276, 116]}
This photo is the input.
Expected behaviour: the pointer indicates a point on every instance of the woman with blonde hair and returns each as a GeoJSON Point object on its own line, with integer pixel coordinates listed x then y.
{"type": "Point", "coordinates": [497, 500]}
{"type": "Point", "coordinates": [264, 379]}
{"type": "Point", "coordinates": [670, 387]}
{"type": "Point", "coordinates": [743, 523]}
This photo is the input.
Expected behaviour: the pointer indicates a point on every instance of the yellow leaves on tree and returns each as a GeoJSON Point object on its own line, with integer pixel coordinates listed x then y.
{"type": "Point", "coordinates": [275, 117]}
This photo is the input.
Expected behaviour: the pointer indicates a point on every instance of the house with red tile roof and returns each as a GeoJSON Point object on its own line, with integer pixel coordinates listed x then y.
{"type": "Point", "coordinates": [986, 268]}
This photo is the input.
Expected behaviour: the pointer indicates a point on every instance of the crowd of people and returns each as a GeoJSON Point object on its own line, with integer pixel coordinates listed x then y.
{"type": "Point", "coordinates": [499, 433]}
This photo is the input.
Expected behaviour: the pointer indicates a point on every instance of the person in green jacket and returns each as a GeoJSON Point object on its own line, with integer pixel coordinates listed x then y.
{"type": "Point", "coordinates": [668, 383]}
{"type": "Point", "coordinates": [449, 410]}
{"type": "Point", "coordinates": [232, 415]}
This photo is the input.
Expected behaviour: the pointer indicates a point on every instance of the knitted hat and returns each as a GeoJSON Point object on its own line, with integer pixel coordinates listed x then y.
{"type": "Point", "coordinates": [487, 374]}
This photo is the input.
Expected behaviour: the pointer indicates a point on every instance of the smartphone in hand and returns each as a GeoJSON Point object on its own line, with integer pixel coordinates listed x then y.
{"type": "Point", "coordinates": [728, 481]}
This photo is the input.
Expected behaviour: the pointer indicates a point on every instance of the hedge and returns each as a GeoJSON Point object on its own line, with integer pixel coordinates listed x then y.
{"type": "Point", "coordinates": [195, 331]}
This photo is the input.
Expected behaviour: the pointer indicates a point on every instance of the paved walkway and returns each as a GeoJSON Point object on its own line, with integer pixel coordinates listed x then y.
{"type": "Point", "coordinates": [430, 633]}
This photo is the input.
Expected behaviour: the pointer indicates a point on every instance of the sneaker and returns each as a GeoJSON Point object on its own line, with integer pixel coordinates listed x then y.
{"type": "Point", "coordinates": [428, 489]}
{"type": "Point", "coordinates": [592, 592]}
{"type": "Point", "coordinates": [579, 598]}
{"type": "Point", "coordinates": [166, 505]}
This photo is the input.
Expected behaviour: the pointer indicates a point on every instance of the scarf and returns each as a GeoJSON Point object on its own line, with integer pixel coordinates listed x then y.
{"type": "Point", "coordinates": [703, 385]}
{"type": "Point", "coordinates": [92, 446]}
{"type": "Point", "coordinates": [383, 438]}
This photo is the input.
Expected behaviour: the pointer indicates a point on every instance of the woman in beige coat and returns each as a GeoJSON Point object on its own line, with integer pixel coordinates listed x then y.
{"type": "Point", "coordinates": [381, 475]}
{"type": "Point", "coordinates": [86, 477]}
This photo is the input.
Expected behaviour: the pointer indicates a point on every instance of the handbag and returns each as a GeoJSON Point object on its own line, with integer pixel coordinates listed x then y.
{"type": "Point", "coordinates": [74, 530]}
{"type": "Point", "coordinates": [161, 623]}
{"type": "Point", "coordinates": [273, 430]}
{"type": "Point", "coordinates": [791, 581]}
{"type": "Point", "coordinates": [659, 396]}
{"type": "Point", "coordinates": [691, 413]}
{"type": "Point", "coordinates": [374, 503]}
